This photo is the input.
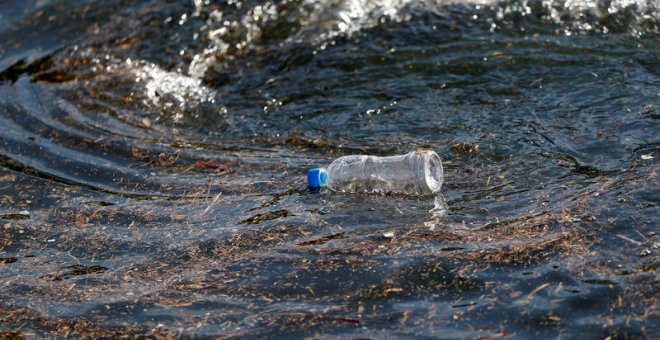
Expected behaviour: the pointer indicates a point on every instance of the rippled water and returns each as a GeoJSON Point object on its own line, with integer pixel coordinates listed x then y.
{"type": "Point", "coordinates": [153, 158]}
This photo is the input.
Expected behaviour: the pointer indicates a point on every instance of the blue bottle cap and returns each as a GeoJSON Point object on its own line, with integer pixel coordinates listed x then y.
{"type": "Point", "coordinates": [317, 177]}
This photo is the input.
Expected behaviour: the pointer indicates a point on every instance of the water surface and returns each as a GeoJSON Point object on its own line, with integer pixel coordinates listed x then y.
{"type": "Point", "coordinates": [153, 158]}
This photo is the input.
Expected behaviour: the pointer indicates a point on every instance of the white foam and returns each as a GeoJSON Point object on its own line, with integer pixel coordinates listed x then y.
{"type": "Point", "coordinates": [171, 88]}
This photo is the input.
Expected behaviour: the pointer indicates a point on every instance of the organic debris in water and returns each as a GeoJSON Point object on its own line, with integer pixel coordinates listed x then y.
{"type": "Point", "coordinates": [152, 169]}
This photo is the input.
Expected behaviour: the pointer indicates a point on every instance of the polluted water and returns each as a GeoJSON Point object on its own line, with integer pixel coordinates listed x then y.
{"type": "Point", "coordinates": [154, 159]}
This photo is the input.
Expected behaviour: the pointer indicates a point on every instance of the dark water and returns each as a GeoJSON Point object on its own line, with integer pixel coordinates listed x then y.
{"type": "Point", "coordinates": [153, 156]}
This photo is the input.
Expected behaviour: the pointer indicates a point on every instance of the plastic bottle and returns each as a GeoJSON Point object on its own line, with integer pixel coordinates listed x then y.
{"type": "Point", "coordinates": [417, 173]}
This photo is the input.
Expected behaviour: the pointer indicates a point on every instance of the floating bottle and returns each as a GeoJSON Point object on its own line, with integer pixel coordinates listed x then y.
{"type": "Point", "coordinates": [417, 173]}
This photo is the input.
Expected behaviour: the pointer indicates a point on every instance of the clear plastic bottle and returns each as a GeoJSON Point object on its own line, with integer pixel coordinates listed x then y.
{"type": "Point", "coordinates": [417, 173]}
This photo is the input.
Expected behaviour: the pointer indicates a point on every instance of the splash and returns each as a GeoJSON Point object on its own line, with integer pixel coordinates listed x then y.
{"type": "Point", "coordinates": [171, 89]}
{"type": "Point", "coordinates": [231, 30]}
{"type": "Point", "coordinates": [228, 32]}
{"type": "Point", "coordinates": [440, 207]}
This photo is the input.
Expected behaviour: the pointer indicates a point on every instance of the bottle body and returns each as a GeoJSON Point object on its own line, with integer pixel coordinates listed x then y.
{"type": "Point", "coordinates": [416, 173]}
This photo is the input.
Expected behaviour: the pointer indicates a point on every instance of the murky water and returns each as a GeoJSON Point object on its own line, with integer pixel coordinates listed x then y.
{"type": "Point", "coordinates": [153, 158]}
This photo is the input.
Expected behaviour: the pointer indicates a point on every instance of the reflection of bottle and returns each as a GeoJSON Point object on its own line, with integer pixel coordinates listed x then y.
{"type": "Point", "coordinates": [415, 173]}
